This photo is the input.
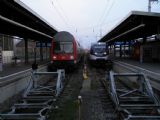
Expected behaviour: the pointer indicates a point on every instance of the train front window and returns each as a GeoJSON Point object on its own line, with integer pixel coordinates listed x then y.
{"type": "Point", "coordinates": [63, 47]}
{"type": "Point", "coordinates": [99, 48]}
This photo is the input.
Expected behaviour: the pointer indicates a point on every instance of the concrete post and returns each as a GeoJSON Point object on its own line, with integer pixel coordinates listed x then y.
{"type": "Point", "coordinates": [129, 48]}
{"type": "Point", "coordinates": [120, 51]}
{"type": "Point", "coordinates": [46, 51]}
{"type": "Point", "coordinates": [114, 50]}
{"type": "Point", "coordinates": [124, 49]}
{"type": "Point", "coordinates": [41, 51]}
{"type": "Point", "coordinates": [141, 54]}
{"type": "Point", "coordinates": [1, 64]}
{"type": "Point", "coordinates": [35, 54]}
{"type": "Point", "coordinates": [26, 51]}
{"type": "Point", "coordinates": [141, 50]}
{"type": "Point", "coordinates": [110, 49]}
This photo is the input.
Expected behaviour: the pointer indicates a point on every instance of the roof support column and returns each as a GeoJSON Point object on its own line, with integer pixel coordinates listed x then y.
{"type": "Point", "coordinates": [114, 49]}
{"type": "Point", "coordinates": [46, 52]}
{"type": "Point", "coordinates": [124, 49]}
{"type": "Point", "coordinates": [41, 51]}
{"type": "Point", "coordinates": [26, 51]}
{"type": "Point", "coordinates": [158, 31]}
{"type": "Point", "coordinates": [1, 64]}
{"type": "Point", "coordinates": [110, 49]}
{"type": "Point", "coordinates": [120, 51]}
{"type": "Point", "coordinates": [129, 49]}
{"type": "Point", "coordinates": [141, 50]}
{"type": "Point", "coordinates": [35, 54]}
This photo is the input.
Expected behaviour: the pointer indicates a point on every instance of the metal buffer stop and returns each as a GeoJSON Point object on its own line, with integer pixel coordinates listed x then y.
{"type": "Point", "coordinates": [38, 99]}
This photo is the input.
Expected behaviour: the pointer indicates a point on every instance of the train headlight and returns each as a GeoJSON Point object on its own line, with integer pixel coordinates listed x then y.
{"type": "Point", "coordinates": [105, 53]}
{"type": "Point", "coordinates": [95, 53]}
{"type": "Point", "coordinates": [54, 57]}
{"type": "Point", "coordinates": [71, 57]}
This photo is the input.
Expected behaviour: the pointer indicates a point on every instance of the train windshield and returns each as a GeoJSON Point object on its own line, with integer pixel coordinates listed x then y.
{"type": "Point", "coordinates": [63, 47]}
{"type": "Point", "coordinates": [99, 48]}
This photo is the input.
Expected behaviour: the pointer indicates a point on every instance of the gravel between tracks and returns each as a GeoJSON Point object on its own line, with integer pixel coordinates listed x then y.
{"type": "Point", "coordinates": [92, 108]}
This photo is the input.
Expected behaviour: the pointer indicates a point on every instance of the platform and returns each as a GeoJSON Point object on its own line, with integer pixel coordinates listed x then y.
{"type": "Point", "coordinates": [153, 67]}
{"type": "Point", "coordinates": [14, 68]}
{"type": "Point", "coordinates": [151, 70]}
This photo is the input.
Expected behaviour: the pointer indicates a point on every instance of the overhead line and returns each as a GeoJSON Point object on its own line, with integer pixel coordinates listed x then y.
{"type": "Point", "coordinates": [52, 2]}
{"type": "Point", "coordinates": [103, 12]}
{"type": "Point", "coordinates": [108, 12]}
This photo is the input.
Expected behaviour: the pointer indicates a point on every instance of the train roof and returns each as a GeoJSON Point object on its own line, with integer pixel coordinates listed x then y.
{"type": "Point", "coordinates": [63, 36]}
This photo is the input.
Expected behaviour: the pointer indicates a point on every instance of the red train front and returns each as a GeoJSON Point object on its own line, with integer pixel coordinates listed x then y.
{"type": "Point", "coordinates": [65, 51]}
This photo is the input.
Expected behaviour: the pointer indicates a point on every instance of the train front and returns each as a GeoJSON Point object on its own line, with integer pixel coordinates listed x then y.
{"type": "Point", "coordinates": [63, 51]}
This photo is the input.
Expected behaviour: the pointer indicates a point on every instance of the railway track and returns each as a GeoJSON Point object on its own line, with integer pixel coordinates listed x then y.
{"type": "Point", "coordinates": [67, 100]}
{"type": "Point", "coordinates": [108, 107]}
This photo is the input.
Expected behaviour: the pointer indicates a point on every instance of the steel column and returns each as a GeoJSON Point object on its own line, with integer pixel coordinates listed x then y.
{"type": "Point", "coordinates": [120, 51]}
{"type": "Point", "coordinates": [41, 51]}
{"type": "Point", "coordinates": [124, 49]}
{"type": "Point", "coordinates": [26, 51]}
{"type": "Point", "coordinates": [114, 49]}
{"type": "Point", "coordinates": [129, 48]}
{"type": "Point", "coordinates": [35, 54]}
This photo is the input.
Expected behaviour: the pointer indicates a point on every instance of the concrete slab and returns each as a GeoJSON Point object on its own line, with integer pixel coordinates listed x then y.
{"type": "Point", "coordinates": [86, 85]}
{"type": "Point", "coordinates": [11, 69]}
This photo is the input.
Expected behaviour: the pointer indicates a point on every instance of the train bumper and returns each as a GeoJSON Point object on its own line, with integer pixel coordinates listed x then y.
{"type": "Point", "coordinates": [63, 64]}
{"type": "Point", "coordinates": [96, 58]}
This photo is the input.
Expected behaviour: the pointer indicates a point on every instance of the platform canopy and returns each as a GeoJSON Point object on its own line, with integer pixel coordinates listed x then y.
{"type": "Point", "coordinates": [17, 19]}
{"type": "Point", "coordinates": [136, 25]}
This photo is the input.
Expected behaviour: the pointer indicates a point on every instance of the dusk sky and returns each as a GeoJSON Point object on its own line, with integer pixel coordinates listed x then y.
{"type": "Point", "coordinates": [87, 20]}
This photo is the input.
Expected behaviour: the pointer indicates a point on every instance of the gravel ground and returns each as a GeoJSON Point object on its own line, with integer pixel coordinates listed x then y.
{"type": "Point", "coordinates": [67, 103]}
{"type": "Point", "coordinates": [92, 108]}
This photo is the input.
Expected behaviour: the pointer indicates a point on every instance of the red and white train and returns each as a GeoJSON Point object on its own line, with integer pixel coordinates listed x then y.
{"type": "Point", "coordinates": [66, 52]}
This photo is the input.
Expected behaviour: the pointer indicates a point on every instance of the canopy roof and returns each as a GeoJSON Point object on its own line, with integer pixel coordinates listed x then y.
{"type": "Point", "coordinates": [136, 25]}
{"type": "Point", "coordinates": [18, 20]}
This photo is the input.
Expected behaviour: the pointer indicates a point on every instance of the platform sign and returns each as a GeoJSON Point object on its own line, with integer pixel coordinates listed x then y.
{"type": "Point", "coordinates": [1, 58]}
